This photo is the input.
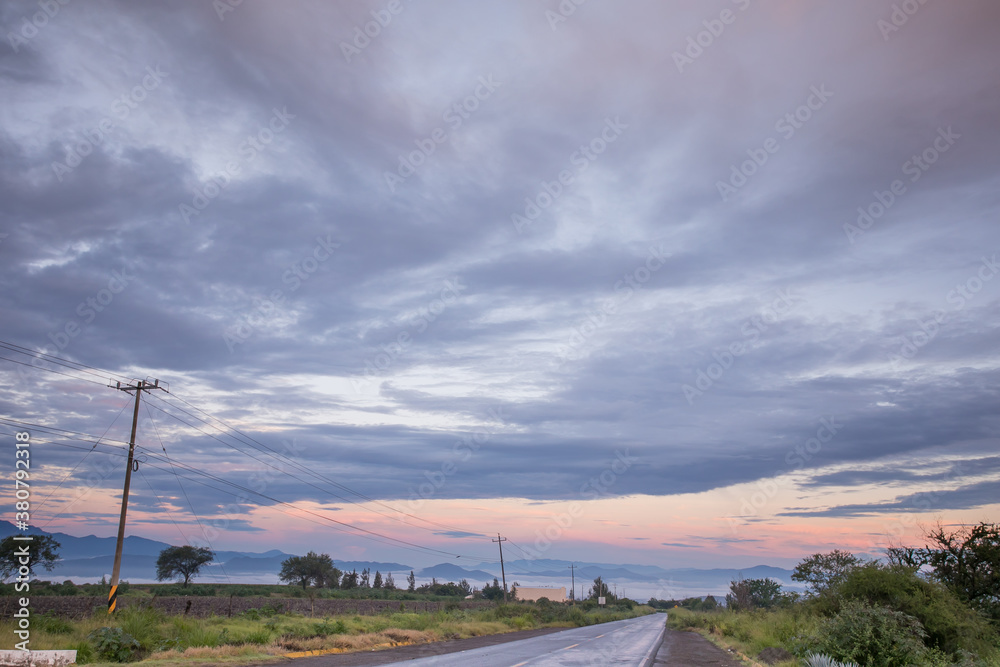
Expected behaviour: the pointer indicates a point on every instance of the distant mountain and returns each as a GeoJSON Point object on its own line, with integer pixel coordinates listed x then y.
{"type": "Point", "coordinates": [90, 546]}
{"type": "Point", "coordinates": [449, 572]}
{"type": "Point", "coordinates": [90, 558]}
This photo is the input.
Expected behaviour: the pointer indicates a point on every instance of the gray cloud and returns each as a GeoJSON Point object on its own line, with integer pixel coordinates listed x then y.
{"type": "Point", "coordinates": [530, 297]}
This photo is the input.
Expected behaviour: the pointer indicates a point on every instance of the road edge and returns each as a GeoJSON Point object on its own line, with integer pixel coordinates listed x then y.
{"type": "Point", "coordinates": [651, 654]}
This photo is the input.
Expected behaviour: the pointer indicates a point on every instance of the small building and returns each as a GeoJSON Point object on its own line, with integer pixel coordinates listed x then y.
{"type": "Point", "coordinates": [532, 594]}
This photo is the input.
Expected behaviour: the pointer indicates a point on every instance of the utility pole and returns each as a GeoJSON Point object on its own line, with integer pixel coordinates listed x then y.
{"type": "Point", "coordinates": [572, 573]}
{"type": "Point", "coordinates": [500, 541]}
{"type": "Point", "coordinates": [139, 387]}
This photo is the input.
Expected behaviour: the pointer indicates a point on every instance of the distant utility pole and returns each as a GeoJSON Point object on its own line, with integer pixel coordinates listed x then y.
{"type": "Point", "coordinates": [572, 573]}
{"type": "Point", "coordinates": [139, 387]}
{"type": "Point", "coordinates": [500, 541]}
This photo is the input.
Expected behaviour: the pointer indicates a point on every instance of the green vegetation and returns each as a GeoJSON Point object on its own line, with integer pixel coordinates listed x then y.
{"type": "Point", "coordinates": [182, 562]}
{"type": "Point", "coordinates": [933, 607]}
{"type": "Point", "coordinates": [140, 633]}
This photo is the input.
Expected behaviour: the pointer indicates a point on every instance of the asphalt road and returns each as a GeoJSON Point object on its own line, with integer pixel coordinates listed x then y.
{"type": "Point", "coordinates": [632, 642]}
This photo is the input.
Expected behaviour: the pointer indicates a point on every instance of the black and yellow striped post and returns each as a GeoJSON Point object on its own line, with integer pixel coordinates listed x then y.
{"type": "Point", "coordinates": [113, 599]}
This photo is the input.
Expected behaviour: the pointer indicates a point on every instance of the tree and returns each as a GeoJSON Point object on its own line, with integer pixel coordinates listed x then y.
{"type": "Point", "coordinates": [493, 591]}
{"type": "Point", "coordinates": [182, 561]}
{"type": "Point", "coordinates": [390, 583]}
{"type": "Point", "coordinates": [366, 578]}
{"type": "Point", "coordinates": [350, 580]}
{"type": "Point", "coordinates": [747, 594]}
{"type": "Point", "coordinates": [411, 582]}
{"type": "Point", "coordinates": [378, 580]}
{"type": "Point", "coordinates": [313, 568]}
{"type": "Point", "coordinates": [466, 588]}
{"type": "Point", "coordinates": [42, 550]}
{"type": "Point", "coordinates": [821, 571]}
{"type": "Point", "coordinates": [968, 562]}
{"type": "Point", "coordinates": [600, 590]}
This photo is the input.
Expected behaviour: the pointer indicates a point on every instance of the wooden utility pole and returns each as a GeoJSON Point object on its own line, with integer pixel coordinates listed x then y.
{"type": "Point", "coordinates": [138, 388]}
{"type": "Point", "coordinates": [500, 541]}
{"type": "Point", "coordinates": [572, 573]}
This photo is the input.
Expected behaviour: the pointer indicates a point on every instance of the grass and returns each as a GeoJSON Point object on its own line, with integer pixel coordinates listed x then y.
{"type": "Point", "coordinates": [748, 633]}
{"type": "Point", "coordinates": [165, 641]}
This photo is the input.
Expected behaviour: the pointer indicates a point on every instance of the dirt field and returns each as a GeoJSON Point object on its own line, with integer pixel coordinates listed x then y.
{"type": "Point", "coordinates": [79, 606]}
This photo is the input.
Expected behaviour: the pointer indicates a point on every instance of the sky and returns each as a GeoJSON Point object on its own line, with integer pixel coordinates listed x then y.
{"type": "Point", "coordinates": [692, 284]}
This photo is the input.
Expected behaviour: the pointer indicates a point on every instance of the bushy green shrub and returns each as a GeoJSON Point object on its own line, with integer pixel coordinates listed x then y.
{"type": "Point", "coordinates": [875, 636]}
{"type": "Point", "coordinates": [115, 645]}
{"type": "Point", "coordinates": [950, 624]}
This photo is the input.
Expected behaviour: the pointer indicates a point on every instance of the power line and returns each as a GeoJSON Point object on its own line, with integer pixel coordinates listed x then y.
{"type": "Point", "coordinates": [52, 370]}
{"type": "Point", "coordinates": [71, 435]}
{"type": "Point", "coordinates": [100, 372]}
{"type": "Point", "coordinates": [80, 462]}
{"type": "Point", "coordinates": [285, 459]}
{"type": "Point", "coordinates": [309, 471]}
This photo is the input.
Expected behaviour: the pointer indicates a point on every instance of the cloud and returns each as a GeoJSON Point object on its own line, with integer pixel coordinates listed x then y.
{"type": "Point", "coordinates": [305, 301]}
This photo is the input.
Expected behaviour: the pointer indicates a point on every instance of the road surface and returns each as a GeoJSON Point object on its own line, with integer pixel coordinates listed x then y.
{"type": "Point", "coordinates": [631, 643]}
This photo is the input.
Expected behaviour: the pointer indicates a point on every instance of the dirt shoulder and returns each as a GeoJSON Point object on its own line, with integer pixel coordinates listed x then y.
{"type": "Point", "coordinates": [692, 650]}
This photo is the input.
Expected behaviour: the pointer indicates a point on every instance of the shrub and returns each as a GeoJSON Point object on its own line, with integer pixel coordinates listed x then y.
{"type": "Point", "coordinates": [950, 625]}
{"type": "Point", "coordinates": [874, 636]}
{"type": "Point", "coordinates": [115, 645]}
{"type": "Point", "coordinates": [327, 628]}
